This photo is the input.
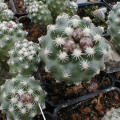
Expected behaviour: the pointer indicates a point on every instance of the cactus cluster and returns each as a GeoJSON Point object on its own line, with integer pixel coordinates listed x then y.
{"type": "Point", "coordinates": [24, 57]}
{"type": "Point", "coordinates": [44, 11]}
{"type": "Point", "coordinates": [20, 98]}
{"type": "Point", "coordinates": [5, 13]}
{"type": "Point", "coordinates": [113, 114]}
{"type": "Point", "coordinates": [114, 26]}
{"type": "Point", "coordinates": [10, 32]}
{"type": "Point", "coordinates": [73, 49]}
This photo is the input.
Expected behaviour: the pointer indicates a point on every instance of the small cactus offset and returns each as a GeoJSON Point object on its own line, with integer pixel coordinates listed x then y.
{"type": "Point", "coordinates": [73, 49]}
{"type": "Point", "coordinates": [5, 13]}
{"type": "Point", "coordinates": [59, 6]}
{"type": "Point", "coordinates": [113, 114]}
{"type": "Point", "coordinates": [38, 12]}
{"type": "Point", "coordinates": [21, 97]}
{"type": "Point", "coordinates": [10, 32]}
{"type": "Point", "coordinates": [24, 58]}
{"type": "Point", "coordinates": [114, 26]}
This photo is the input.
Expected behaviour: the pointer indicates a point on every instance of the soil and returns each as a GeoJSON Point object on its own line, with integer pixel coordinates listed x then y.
{"type": "Point", "coordinates": [58, 93]}
{"type": "Point", "coordinates": [20, 7]}
{"type": "Point", "coordinates": [92, 109]}
{"type": "Point", "coordinates": [34, 30]}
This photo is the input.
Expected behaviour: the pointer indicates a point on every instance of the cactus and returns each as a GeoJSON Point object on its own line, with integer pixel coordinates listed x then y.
{"type": "Point", "coordinates": [24, 58]}
{"type": "Point", "coordinates": [73, 49]}
{"type": "Point", "coordinates": [39, 13]}
{"type": "Point", "coordinates": [59, 6]}
{"type": "Point", "coordinates": [20, 98]}
{"type": "Point", "coordinates": [114, 25]}
{"type": "Point", "coordinates": [113, 114]}
{"type": "Point", "coordinates": [5, 13]}
{"type": "Point", "coordinates": [44, 12]}
{"type": "Point", "coordinates": [10, 32]}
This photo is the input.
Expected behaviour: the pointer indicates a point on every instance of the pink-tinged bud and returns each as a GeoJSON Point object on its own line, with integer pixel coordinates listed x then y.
{"type": "Point", "coordinates": [85, 42]}
{"type": "Point", "coordinates": [77, 35]}
{"type": "Point", "coordinates": [69, 46]}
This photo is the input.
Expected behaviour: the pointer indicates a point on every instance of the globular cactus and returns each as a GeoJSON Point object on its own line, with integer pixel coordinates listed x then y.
{"type": "Point", "coordinates": [113, 114]}
{"type": "Point", "coordinates": [45, 11]}
{"type": "Point", "coordinates": [73, 49]}
{"type": "Point", "coordinates": [114, 26]}
{"type": "Point", "coordinates": [38, 12]}
{"type": "Point", "coordinates": [10, 32]}
{"type": "Point", "coordinates": [59, 6]}
{"type": "Point", "coordinates": [5, 13]}
{"type": "Point", "coordinates": [21, 97]}
{"type": "Point", "coordinates": [24, 57]}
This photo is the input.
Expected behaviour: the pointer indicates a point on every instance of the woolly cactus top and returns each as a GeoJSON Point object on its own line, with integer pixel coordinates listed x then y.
{"type": "Point", "coordinates": [38, 12]}
{"type": "Point", "coordinates": [113, 114]}
{"type": "Point", "coordinates": [5, 13]}
{"type": "Point", "coordinates": [20, 98]}
{"type": "Point", "coordinates": [10, 32]}
{"type": "Point", "coordinates": [73, 49]}
{"type": "Point", "coordinates": [114, 26]}
{"type": "Point", "coordinates": [44, 11]}
{"type": "Point", "coordinates": [24, 57]}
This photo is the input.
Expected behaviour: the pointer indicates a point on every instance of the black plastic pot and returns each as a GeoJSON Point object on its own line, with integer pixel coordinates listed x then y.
{"type": "Point", "coordinates": [82, 99]}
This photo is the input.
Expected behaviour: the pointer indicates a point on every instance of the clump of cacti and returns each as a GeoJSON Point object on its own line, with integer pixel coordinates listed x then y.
{"type": "Point", "coordinates": [38, 12]}
{"type": "Point", "coordinates": [113, 114]}
{"type": "Point", "coordinates": [21, 98]}
{"type": "Point", "coordinates": [114, 26]}
{"type": "Point", "coordinates": [5, 13]}
{"type": "Point", "coordinates": [59, 6]}
{"type": "Point", "coordinates": [10, 32]}
{"type": "Point", "coordinates": [44, 11]}
{"type": "Point", "coordinates": [73, 49]}
{"type": "Point", "coordinates": [24, 57]}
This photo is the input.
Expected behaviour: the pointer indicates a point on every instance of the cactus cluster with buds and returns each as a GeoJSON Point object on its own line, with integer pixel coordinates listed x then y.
{"type": "Point", "coordinates": [43, 12]}
{"type": "Point", "coordinates": [38, 12]}
{"type": "Point", "coordinates": [113, 114]}
{"type": "Point", "coordinates": [73, 49]}
{"type": "Point", "coordinates": [5, 13]}
{"type": "Point", "coordinates": [21, 97]}
{"type": "Point", "coordinates": [114, 26]}
{"type": "Point", "coordinates": [24, 57]}
{"type": "Point", "coordinates": [10, 32]}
